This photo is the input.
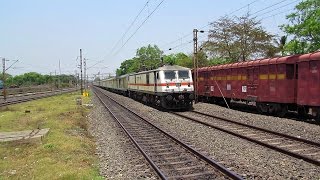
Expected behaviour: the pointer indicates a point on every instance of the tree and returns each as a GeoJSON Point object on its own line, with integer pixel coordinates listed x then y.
{"type": "Point", "coordinates": [128, 66]}
{"type": "Point", "coordinates": [304, 26]}
{"type": "Point", "coordinates": [238, 39]}
{"type": "Point", "coordinates": [149, 57]}
{"type": "Point", "coordinates": [184, 60]}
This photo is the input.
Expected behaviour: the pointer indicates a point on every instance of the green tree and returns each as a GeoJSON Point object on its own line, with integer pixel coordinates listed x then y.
{"type": "Point", "coordinates": [149, 57]}
{"type": "Point", "coordinates": [304, 26]}
{"type": "Point", "coordinates": [128, 66]}
{"type": "Point", "coordinates": [238, 39]}
{"type": "Point", "coordinates": [184, 60]}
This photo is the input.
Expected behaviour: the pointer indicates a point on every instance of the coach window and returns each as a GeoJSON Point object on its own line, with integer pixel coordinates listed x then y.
{"type": "Point", "coordinates": [183, 74]}
{"type": "Point", "coordinates": [157, 75]}
{"type": "Point", "coordinates": [147, 78]}
{"type": "Point", "coordinates": [169, 75]}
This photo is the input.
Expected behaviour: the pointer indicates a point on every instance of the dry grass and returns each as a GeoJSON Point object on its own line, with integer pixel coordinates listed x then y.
{"type": "Point", "coordinates": [67, 152]}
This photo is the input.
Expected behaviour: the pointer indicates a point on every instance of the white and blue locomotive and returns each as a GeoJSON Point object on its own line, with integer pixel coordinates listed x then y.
{"type": "Point", "coordinates": [170, 87]}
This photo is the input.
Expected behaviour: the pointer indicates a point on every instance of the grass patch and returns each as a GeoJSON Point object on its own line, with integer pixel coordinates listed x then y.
{"type": "Point", "coordinates": [67, 152]}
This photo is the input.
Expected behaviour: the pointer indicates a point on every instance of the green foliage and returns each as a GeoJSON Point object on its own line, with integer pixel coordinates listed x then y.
{"type": "Point", "coordinates": [184, 60]}
{"type": "Point", "coordinates": [304, 26]}
{"type": "Point", "coordinates": [33, 78]}
{"type": "Point", "coordinates": [218, 61]}
{"type": "Point", "coordinates": [239, 39]}
{"type": "Point", "coordinates": [147, 57]}
{"type": "Point", "coordinates": [180, 59]}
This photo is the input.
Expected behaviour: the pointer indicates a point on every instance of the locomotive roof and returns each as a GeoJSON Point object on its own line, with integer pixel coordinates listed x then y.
{"type": "Point", "coordinates": [164, 68]}
{"type": "Point", "coordinates": [173, 67]}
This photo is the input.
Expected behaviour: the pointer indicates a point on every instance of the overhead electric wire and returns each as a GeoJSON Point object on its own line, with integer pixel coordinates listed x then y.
{"type": "Point", "coordinates": [133, 32]}
{"type": "Point", "coordinates": [132, 23]}
{"type": "Point", "coordinates": [186, 35]}
{"type": "Point", "coordinates": [185, 43]}
{"type": "Point", "coordinates": [268, 7]}
{"type": "Point", "coordinates": [278, 8]}
{"type": "Point", "coordinates": [138, 28]}
{"type": "Point", "coordinates": [276, 14]}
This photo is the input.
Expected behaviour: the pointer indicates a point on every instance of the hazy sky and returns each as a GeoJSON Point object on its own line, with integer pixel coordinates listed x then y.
{"type": "Point", "coordinates": [41, 32]}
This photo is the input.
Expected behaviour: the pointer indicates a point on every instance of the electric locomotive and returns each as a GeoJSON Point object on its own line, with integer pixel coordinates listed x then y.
{"type": "Point", "coordinates": [169, 87]}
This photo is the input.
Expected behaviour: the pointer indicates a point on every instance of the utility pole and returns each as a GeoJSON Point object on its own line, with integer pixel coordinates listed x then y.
{"type": "Point", "coordinates": [4, 79]}
{"type": "Point", "coordinates": [84, 73]}
{"type": "Point", "coordinates": [81, 84]}
{"type": "Point", "coordinates": [55, 76]}
{"type": "Point", "coordinates": [59, 81]}
{"type": "Point", "coordinates": [4, 90]}
{"type": "Point", "coordinates": [195, 64]}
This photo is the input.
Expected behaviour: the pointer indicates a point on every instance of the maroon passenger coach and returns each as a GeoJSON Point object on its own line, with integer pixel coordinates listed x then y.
{"type": "Point", "coordinates": [276, 85]}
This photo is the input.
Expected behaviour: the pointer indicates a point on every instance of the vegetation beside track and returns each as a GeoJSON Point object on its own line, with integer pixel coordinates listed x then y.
{"type": "Point", "coordinates": [67, 152]}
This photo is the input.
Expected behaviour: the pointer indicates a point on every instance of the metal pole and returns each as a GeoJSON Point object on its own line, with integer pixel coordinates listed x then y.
{"type": "Point", "coordinates": [85, 73]}
{"type": "Point", "coordinates": [59, 81]}
{"type": "Point", "coordinates": [4, 79]}
{"type": "Point", "coordinates": [81, 84]}
{"type": "Point", "coordinates": [195, 64]}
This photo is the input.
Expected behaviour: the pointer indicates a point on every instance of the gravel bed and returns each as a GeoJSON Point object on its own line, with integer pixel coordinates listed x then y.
{"type": "Point", "coordinates": [245, 158]}
{"type": "Point", "coordinates": [283, 125]}
{"type": "Point", "coordinates": [118, 157]}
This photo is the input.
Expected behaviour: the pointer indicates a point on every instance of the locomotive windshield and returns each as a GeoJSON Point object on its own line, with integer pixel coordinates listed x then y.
{"type": "Point", "coordinates": [183, 74]}
{"type": "Point", "coordinates": [169, 75]}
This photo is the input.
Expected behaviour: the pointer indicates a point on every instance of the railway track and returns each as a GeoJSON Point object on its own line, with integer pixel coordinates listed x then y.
{"type": "Point", "coordinates": [296, 147]}
{"type": "Point", "coordinates": [33, 96]}
{"type": "Point", "coordinates": [169, 157]}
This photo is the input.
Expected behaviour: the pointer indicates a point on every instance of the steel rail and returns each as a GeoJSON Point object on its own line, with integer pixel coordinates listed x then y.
{"type": "Point", "coordinates": [42, 95]}
{"type": "Point", "coordinates": [213, 163]}
{"type": "Point", "coordinates": [282, 150]}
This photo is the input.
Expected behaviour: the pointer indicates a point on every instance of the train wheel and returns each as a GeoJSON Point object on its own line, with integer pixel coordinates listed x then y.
{"type": "Point", "coordinates": [318, 116]}
{"type": "Point", "coordinates": [302, 111]}
{"type": "Point", "coordinates": [262, 107]}
{"type": "Point", "coordinates": [282, 111]}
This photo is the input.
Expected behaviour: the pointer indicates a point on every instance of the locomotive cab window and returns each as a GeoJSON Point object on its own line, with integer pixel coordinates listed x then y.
{"type": "Point", "coordinates": [183, 74]}
{"type": "Point", "coordinates": [169, 75]}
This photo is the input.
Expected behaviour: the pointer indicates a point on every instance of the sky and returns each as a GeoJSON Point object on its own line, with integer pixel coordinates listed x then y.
{"type": "Point", "coordinates": [40, 33]}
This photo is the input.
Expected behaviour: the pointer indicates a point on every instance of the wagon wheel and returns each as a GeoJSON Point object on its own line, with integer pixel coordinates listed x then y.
{"type": "Point", "coordinates": [282, 111]}
{"type": "Point", "coordinates": [262, 108]}
{"type": "Point", "coordinates": [318, 116]}
{"type": "Point", "coordinates": [302, 111]}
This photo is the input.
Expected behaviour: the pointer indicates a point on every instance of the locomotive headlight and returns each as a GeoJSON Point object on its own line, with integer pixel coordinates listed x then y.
{"type": "Point", "coordinates": [169, 98]}
{"type": "Point", "coordinates": [191, 96]}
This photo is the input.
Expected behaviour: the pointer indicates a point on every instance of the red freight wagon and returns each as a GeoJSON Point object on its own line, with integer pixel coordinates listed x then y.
{"type": "Point", "coordinates": [308, 86]}
{"type": "Point", "coordinates": [275, 84]}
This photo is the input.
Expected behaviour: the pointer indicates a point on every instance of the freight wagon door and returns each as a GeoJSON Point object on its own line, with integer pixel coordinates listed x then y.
{"type": "Point", "coordinates": [252, 74]}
